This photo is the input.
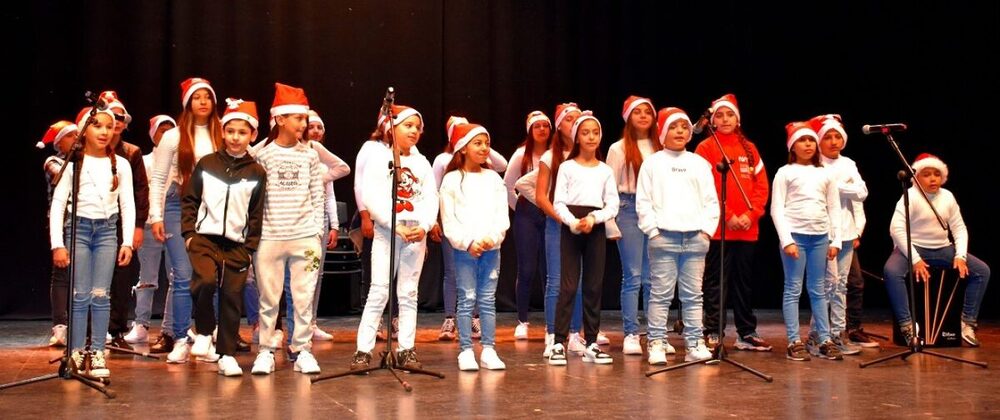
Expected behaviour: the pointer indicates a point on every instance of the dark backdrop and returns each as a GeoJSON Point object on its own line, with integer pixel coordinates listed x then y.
{"type": "Point", "coordinates": [923, 63]}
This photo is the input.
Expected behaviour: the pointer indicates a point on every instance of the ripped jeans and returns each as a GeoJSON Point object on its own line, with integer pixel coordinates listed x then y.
{"type": "Point", "coordinates": [94, 260]}
{"type": "Point", "coordinates": [476, 279]}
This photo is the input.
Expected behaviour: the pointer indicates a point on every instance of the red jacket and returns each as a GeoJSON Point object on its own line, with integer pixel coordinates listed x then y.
{"type": "Point", "coordinates": [752, 176]}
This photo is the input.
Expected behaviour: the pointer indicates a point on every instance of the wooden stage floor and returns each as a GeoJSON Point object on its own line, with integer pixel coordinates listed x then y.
{"type": "Point", "coordinates": [922, 386]}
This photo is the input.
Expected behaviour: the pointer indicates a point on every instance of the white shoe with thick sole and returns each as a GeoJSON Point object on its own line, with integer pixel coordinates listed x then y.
{"type": "Point", "coordinates": [631, 345]}
{"type": "Point", "coordinates": [550, 340]}
{"type": "Point", "coordinates": [521, 331]}
{"type": "Point", "coordinates": [229, 367]}
{"type": "Point", "coordinates": [657, 354]}
{"type": "Point", "coordinates": [180, 352]}
{"type": "Point", "coordinates": [264, 364]}
{"type": "Point", "coordinates": [202, 344]}
{"type": "Point", "coordinates": [489, 359]}
{"type": "Point", "coordinates": [576, 343]}
{"type": "Point", "coordinates": [306, 363]}
{"type": "Point", "coordinates": [320, 335]}
{"type": "Point", "coordinates": [467, 361]}
{"type": "Point", "coordinates": [139, 334]}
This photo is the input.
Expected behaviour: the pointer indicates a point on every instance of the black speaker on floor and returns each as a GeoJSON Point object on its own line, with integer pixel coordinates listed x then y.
{"type": "Point", "coordinates": [341, 291]}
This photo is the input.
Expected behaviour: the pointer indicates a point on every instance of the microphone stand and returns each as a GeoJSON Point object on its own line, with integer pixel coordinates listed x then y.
{"type": "Point", "coordinates": [915, 345]}
{"type": "Point", "coordinates": [388, 356]}
{"type": "Point", "coordinates": [719, 353]}
{"type": "Point", "coordinates": [67, 367]}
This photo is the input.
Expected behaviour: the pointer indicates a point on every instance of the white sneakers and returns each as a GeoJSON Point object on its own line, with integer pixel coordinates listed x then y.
{"type": "Point", "coordinates": [319, 334]}
{"type": "Point", "coordinates": [490, 360]}
{"type": "Point", "coordinates": [139, 334]}
{"type": "Point", "coordinates": [595, 355]}
{"type": "Point", "coordinates": [557, 355]}
{"type": "Point", "coordinates": [202, 344]}
{"type": "Point", "coordinates": [58, 338]}
{"type": "Point", "coordinates": [576, 344]}
{"type": "Point", "coordinates": [631, 345]}
{"type": "Point", "coordinates": [305, 363]}
{"type": "Point", "coordinates": [550, 340]}
{"type": "Point", "coordinates": [602, 339]}
{"type": "Point", "coordinates": [229, 367]}
{"type": "Point", "coordinates": [467, 361]}
{"type": "Point", "coordinates": [657, 354]}
{"type": "Point", "coordinates": [264, 364]}
{"type": "Point", "coordinates": [180, 352]}
{"type": "Point", "coordinates": [697, 352]}
{"type": "Point", "coordinates": [521, 331]}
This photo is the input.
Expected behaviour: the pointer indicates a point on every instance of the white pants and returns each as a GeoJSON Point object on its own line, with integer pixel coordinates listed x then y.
{"type": "Point", "coordinates": [409, 262]}
{"type": "Point", "coordinates": [302, 257]}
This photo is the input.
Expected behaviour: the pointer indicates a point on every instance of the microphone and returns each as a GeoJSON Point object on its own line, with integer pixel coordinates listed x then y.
{"type": "Point", "coordinates": [702, 122]}
{"type": "Point", "coordinates": [390, 97]}
{"type": "Point", "coordinates": [883, 128]}
{"type": "Point", "coordinates": [97, 101]}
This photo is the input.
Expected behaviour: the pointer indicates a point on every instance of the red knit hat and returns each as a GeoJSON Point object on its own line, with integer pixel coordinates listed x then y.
{"type": "Point", "coordinates": [399, 114]}
{"type": "Point", "coordinates": [632, 102]}
{"type": "Point", "coordinates": [463, 133]}
{"type": "Point", "coordinates": [289, 100]}
{"type": "Point", "coordinates": [823, 123]}
{"type": "Point", "coordinates": [562, 110]}
{"type": "Point", "coordinates": [533, 117]}
{"type": "Point", "coordinates": [238, 109]}
{"type": "Point", "coordinates": [56, 133]}
{"type": "Point", "coordinates": [453, 121]}
{"type": "Point", "coordinates": [189, 86]}
{"type": "Point", "coordinates": [156, 121]}
{"type": "Point", "coordinates": [728, 101]}
{"type": "Point", "coordinates": [796, 130]}
{"type": "Point", "coordinates": [667, 116]}
{"type": "Point", "coordinates": [927, 160]}
{"type": "Point", "coordinates": [584, 116]}
{"type": "Point", "coordinates": [110, 98]}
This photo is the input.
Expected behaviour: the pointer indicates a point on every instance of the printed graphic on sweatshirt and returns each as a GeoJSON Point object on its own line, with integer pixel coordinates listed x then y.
{"type": "Point", "coordinates": [288, 175]}
{"type": "Point", "coordinates": [408, 191]}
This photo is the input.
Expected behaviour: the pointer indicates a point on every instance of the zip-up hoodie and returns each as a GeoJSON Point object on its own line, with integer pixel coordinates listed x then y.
{"type": "Point", "coordinates": [225, 198]}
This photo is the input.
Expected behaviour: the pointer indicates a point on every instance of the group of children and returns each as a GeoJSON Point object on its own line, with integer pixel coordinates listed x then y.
{"type": "Point", "coordinates": [223, 210]}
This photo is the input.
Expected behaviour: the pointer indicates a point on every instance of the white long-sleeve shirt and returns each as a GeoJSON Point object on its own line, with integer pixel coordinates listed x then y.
{"type": "Point", "coordinates": [473, 207]}
{"type": "Point", "coordinates": [852, 191]}
{"type": "Point", "coordinates": [497, 163]}
{"type": "Point", "coordinates": [417, 198]}
{"type": "Point", "coordinates": [676, 192]}
{"type": "Point", "coordinates": [805, 200]}
{"type": "Point", "coordinates": [165, 165]}
{"type": "Point", "coordinates": [368, 148]}
{"type": "Point", "coordinates": [94, 197]}
{"type": "Point", "coordinates": [590, 186]}
{"type": "Point", "coordinates": [624, 174]}
{"type": "Point", "coordinates": [925, 230]}
{"type": "Point", "coordinates": [294, 198]}
{"type": "Point", "coordinates": [336, 167]}
{"type": "Point", "coordinates": [513, 174]}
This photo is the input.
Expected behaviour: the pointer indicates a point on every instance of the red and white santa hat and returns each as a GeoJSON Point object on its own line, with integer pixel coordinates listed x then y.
{"type": "Point", "coordinates": [533, 117]}
{"type": "Point", "coordinates": [289, 100]}
{"type": "Point", "coordinates": [823, 123]}
{"type": "Point", "coordinates": [726, 101]}
{"type": "Point", "coordinates": [156, 121]}
{"type": "Point", "coordinates": [668, 116]}
{"type": "Point", "coordinates": [399, 114]}
{"type": "Point", "coordinates": [110, 98]}
{"type": "Point", "coordinates": [562, 110]}
{"type": "Point", "coordinates": [797, 130]}
{"type": "Point", "coordinates": [632, 102]}
{"type": "Point", "coordinates": [238, 109]}
{"type": "Point", "coordinates": [927, 160]}
{"type": "Point", "coordinates": [584, 116]}
{"type": "Point", "coordinates": [189, 86]}
{"type": "Point", "coordinates": [81, 117]}
{"type": "Point", "coordinates": [462, 133]}
{"type": "Point", "coordinates": [314, 116]}
{"type": "Point", "coordinates": [56, 133]}
{"type": "Point", "coordinates": [453, 121]}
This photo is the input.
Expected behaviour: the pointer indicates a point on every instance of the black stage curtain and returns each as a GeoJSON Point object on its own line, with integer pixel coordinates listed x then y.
{"type": "Point", "coordinates": [922, 63]}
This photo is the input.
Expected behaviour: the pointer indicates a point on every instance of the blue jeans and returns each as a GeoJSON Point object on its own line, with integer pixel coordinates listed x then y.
{"type": "Point", "coordinates": [448, 274]}
{"type": "Point", "coordinates": [529, 229]}
{"type": "Point", "coordinates": [552, 281]}
{"type": "Point", "coordinates": [251, 299]}
{"type": "Point", "coordinates": [476, 280]}
{"type": "Point", "coordinates": [836, 287]}
{"type": "Point", "coordinates": [678, 259]}
{"type": "Point", "coordinates": [177, 252]}
{"type": "Point", "coordinates": [811, 264]}
{"type": "Point", "coordinates": [897, 268]}
{"type": "Point", "coordinates": [633, 250]}
{"type": "Point", "coordinates": [149, 280]}
{"type": "Point", "coordinates": [94, 259]}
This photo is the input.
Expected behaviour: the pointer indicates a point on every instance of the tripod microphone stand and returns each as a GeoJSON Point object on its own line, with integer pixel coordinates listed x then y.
{"type": "Point", "coordinates": [719, 353]}
{"type": "Point", "coordinates": [67, 367]}
{"type": "Point", "coordinates": [915, 345]}
{"type": "Point", "coordinates": [388, 356]}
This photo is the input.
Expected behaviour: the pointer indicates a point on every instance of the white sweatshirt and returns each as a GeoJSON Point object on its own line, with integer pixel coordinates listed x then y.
{"type": "Point", "coordinates": [513, 174]}
{"type": "Point", "coordinates": [591, 186]}
{"type": "Point", "coordinates": [852, 191]}
{"type": "Point", "coordinates": [496, 161]}
{"type": "Point", "coordinates": [925, 231]}
{"type": "Point", "coordinates": [473, 207]}
{"type": "Point", "coordinates": [804, 200]}
{"type": "Point", "coordinates": [360, 163]}
{"type": "Point", "coordinates": [417, 198]}
{"type": "Point", "coordinates": [624, 174]}
{"type": "Point", "coordinates": [294, 197]}
{"type": "Point", "coordinates": [165, 165]}
{"type": "Point", "coordinates": [95, 198]}
{"type": "Point", "coordinates": [676, 192]}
